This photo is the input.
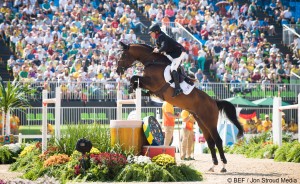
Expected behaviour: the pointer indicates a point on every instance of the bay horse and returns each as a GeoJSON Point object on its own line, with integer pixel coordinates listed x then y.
{"type": "Point", "coordinates": [204, 109]}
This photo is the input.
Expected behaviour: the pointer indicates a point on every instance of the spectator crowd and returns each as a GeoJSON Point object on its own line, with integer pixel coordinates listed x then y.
{"type": "Point", "coordinates": [75, 41]}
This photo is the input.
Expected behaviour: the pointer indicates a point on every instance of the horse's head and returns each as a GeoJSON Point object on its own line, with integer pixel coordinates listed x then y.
{"type": "Point", "coordinates": [126, 59]}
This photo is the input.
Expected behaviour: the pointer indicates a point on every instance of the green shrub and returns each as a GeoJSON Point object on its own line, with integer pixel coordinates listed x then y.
{"type": "Point", "coordinates": [5, 155]}
{"type": "Point", "coordinates": [281, 152]}
{"type": "Point", "coordinates": [152, 172]}
{"type": "Point", "coordinates": [100, 137]}
{"type": "Point", "coordinates": [293, 154]}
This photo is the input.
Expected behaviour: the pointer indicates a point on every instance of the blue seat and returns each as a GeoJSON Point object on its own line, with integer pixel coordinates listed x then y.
{"type": "Point", "coordinates": [261, 23]}
{"type": "Point", "coordinates": [284, 22]}
{"type": "Point", "coordinates": [292, 4]}
{"type": "Point", "coordinates": [50, 15]}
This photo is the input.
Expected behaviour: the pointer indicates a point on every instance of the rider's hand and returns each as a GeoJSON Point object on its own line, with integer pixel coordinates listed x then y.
{"type": "Point", "coordinates": [155, 50]}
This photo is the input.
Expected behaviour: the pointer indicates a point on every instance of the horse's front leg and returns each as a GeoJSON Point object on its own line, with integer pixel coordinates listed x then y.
{"type": "Point", "coordinates": [135, 82]}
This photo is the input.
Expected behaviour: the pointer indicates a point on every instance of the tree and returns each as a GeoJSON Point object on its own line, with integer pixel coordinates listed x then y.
{"type": "Point", "coordinates": [13, 95]}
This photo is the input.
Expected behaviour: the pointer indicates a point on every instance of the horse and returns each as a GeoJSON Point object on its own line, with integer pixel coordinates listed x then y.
{"type": "Point", "coordinates": [204, 109]}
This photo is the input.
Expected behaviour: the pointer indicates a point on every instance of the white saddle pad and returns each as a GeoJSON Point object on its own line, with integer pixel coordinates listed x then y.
{"type": "Point", "coordinates": [186, 88]}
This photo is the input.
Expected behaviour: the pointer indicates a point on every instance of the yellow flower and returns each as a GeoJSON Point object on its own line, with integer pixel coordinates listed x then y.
{"type": "Point", "coordinates": [27, 150]}
{"type": "Point", "coordinates": [94, 151]}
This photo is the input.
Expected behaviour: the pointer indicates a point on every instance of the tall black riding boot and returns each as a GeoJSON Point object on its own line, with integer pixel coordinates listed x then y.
{"type": "Point", "coordinates": [177, 90]}
{"type": "Point", "coordinates": [187, 79]}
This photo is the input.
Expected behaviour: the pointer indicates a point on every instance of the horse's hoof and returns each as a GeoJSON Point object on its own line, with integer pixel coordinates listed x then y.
{"type": "Point", "coordinates": [240, 136]}
{"type": "Point", "coordinates": [211, 170]}
{"type": "Point", "coordinates": [223, 170]}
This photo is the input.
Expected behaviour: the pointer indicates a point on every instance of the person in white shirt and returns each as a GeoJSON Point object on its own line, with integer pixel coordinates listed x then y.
{"type": "Point", "coordinates": [48, 73]}
{"type": "Point", "coordinates": [93, 67]}
{"type": "Point", "coordinates": [252, 49]}
{"type": "Point", "coordinates": [152, 11]}
{"type": "Point", "coordinates": [274, 49]}
{"type": "Point", "coordinates": [247, 23]}
{"type": "Point", "coordinates": [243, 71]}
{"type": "Point", "coordinates": [258, 61]}
{"type": "Point", "coordinates": [287, 14]}
{"type": "Point", "coordinates": [68, 7]}
{"type": "Point", "coordinates": [131, 37]}
{"type": "Point", "coordinates": [296, 47]}
{"type": "Point", "coordinates": [119, 10]}
{"type": "Point", "coordinates": [229, 60]}
{"type": "Point", "coordinates": [14, 39]}
{"type": "Point", "coordinates": [29, 39]}
{"type": "Point", "coordinates": [60, 67]}
{"type": "Point", "coordinates": [47, 38]}
{"type": "Point", "coordinates": [132, 14]}
{"type": "Point", "coordinates": [85, 44]}
{"type": "Point", "coordinates": [53, 7]}
{"type": "Point", "coordinates": [62, 4]}
{"type": "Point", "coordinates": [27, 10]}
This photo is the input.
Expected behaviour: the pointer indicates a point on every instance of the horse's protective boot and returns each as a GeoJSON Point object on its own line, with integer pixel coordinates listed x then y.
{"type": "Point", "coordinates": [177, 90]}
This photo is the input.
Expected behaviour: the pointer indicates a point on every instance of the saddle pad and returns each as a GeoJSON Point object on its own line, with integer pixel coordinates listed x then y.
{"type": "Point", "coordinates": [152, 131]}
{"type": "Point", "coordinates": [186, 88]}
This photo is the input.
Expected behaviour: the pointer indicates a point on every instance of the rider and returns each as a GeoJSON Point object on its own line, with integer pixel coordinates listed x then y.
{"type": "Point", "coordinates": [172, 49]}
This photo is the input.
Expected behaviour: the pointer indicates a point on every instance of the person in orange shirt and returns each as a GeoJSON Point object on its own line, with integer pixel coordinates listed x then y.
{"type": "Point", "coordinates": [195, 50]}
{"type": "Point", "coordinates": [165, 21]}
{"type": "Point", "coordinates": [179, 18]}
{"type": "Point", "coordinates": [186, 44]}
{"type": "Point", "coordinates": [192, 25]}
{"type": "Point", "coordinates": [185, 21]}
{"type": "Point", "coordinates": [267, 124]}
{"type": "Point", "coordinates": [168, 121]}
{"type": "Point", "coordinates": [187, 142]}
{"type": "Point", "coordinates": [14, 124]}
{"type": "Point", "coordinates": [259, 127]}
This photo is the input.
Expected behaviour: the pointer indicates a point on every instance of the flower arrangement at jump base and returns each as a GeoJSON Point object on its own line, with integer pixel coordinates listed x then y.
{"type": "Point", "coordinates": [104, 162]}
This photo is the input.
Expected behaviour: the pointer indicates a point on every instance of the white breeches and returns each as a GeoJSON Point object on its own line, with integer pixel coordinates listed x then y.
{"type": "Point", "coordinates": [176, 62]}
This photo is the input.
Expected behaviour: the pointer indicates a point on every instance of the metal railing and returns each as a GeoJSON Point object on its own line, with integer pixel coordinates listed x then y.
{"type": "Point", "coordinates": [289, 33]}
{"type": "Point", "coordinates": [176, 31]}
{"type": "Point", "coordinates": [31, 119]}
{"type": "Point", "coordinates": [98, 91]}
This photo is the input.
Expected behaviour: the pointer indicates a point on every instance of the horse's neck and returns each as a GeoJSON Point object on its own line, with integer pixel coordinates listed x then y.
{"type": "Point", "coordinates": [146, 56]}
{"type": "Point", "coordinates": [155, 59]}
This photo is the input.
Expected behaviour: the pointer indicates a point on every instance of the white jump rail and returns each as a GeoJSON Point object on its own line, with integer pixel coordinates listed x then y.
{"type": "Point", "coordinates": [57, 102]}
{"type": "Point", "coordinates": [137, 101]}
{"type": "Point", "coordinates": [21, 137]}
{"type": "Point", "coordinates": [276, 125]}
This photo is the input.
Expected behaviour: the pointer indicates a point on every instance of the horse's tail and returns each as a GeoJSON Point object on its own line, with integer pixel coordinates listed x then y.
{"type": "Point", "coordinates": [230, 112]}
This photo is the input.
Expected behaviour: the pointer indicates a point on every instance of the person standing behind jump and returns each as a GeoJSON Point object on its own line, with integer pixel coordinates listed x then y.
{"type": "Point", "coordinates": [168, 121]}
{"type": "Point", "coordinates": [187, 135]}
{"type": "Point", "coordinates": [172, 49]}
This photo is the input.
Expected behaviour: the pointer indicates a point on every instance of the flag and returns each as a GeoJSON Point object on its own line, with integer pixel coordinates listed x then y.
{"type": "Point", "coordinates": [245, 116]}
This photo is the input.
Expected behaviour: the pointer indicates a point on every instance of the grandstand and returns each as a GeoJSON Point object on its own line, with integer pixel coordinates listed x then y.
{"type": "Point", "coordinates": [73, 44]}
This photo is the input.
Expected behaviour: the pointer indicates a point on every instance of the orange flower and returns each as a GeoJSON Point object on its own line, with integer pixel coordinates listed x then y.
{"type": "Point", "coordinates": [56, 160]}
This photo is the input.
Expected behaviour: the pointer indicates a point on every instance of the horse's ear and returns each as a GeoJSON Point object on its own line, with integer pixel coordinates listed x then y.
{"type": "Point", "coordinates": [124, 46]}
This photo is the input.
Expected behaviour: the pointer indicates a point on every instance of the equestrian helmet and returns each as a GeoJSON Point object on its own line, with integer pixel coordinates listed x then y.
{"type": "Point", "coordinates": [154, 28]}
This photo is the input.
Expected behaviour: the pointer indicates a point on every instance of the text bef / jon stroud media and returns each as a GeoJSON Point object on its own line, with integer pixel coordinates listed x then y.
{"type": "Point", "coordinates": [261, 180]}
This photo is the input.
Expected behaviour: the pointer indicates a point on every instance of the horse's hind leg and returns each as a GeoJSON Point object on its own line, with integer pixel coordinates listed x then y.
{"type": "Point", "coordinates": [210, 142]}
{"type": "Point", "coordinates": [219, 144]}
{"type": "Point", "coordinates": [211, 145]}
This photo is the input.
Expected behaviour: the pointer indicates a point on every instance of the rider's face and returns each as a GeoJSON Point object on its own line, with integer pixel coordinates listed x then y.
{"type": "Point", "coordinates": [152, 34]}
